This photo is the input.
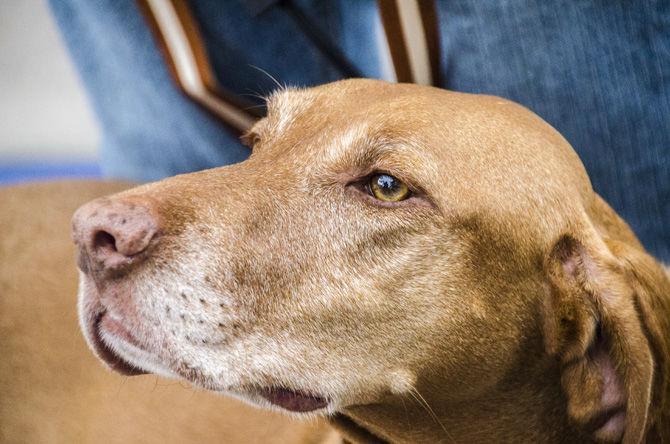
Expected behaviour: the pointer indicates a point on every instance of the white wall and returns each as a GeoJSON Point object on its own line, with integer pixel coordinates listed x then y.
{"type": "Point", "coordinates": [43, 110]}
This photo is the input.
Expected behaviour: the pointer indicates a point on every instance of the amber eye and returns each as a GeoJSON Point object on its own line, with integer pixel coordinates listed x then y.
{"type": "Point", "coordinates": [387, 188]}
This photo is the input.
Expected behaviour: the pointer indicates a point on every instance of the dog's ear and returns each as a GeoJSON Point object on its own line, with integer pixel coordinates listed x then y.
{"type": "Point", "coordinates": [593, 325]}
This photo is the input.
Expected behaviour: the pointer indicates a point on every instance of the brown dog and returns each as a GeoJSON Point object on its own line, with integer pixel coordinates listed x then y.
{"type": "Point", "coordinates": [416, 264]}
{"type": "Point", "coordinates": [52, 390]}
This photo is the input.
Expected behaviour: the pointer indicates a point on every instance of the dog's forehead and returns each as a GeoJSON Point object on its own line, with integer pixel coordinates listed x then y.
{"type": "Point", "coordinates": [346, 99]}
{"type": "Point", "coordinates": [346, 114]}
{"type": "Point", "coordinates": [462, 130]}
{"type": "Point", "coordinates": [397, 111]}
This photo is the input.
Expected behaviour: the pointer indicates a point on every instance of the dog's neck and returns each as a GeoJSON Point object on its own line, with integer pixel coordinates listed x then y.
{"type": "Point", "coordinates": [527, 408]}
{"type": "Point", "coordinates": [523, 409]}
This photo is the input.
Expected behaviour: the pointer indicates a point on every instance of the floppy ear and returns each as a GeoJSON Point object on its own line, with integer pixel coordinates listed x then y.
{"type": "Point", "coordinates": [592, 325]}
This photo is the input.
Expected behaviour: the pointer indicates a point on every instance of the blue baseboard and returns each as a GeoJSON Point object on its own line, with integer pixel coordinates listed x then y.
{"type": "Point", "coordinates": [34, 170]}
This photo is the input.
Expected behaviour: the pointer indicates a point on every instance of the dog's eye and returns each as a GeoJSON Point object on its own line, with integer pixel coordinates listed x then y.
{"type": "Point", "coordinates": [388, 188]}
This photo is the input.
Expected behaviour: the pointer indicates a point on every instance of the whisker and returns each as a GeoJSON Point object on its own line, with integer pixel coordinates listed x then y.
{"type": "Point", "coordinates": [422, 401]}
{"type": "Point", "coordinates": [253, 107]}
{"type": "Point", "coordinates": [279, 85]}
{"type": "Point", "coordinates": [256, 95]}
{"type": "Point", "coordinates": [404, 406]}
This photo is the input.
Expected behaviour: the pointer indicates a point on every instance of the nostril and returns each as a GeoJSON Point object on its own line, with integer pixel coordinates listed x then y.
{"type": "Point", "coordinates": [104, 242]}
{"type": "Point", "coordinates": [113, 234]}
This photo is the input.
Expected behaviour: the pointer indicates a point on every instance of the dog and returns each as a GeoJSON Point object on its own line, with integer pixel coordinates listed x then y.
{"type": "Point", "coordinates": [414, 264]}
{"type": "Point", "coordinates": [52, 389]}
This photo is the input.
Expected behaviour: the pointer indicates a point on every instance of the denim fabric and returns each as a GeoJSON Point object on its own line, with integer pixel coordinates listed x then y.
{"type": "Point", "coordinates": [238, 42]}
{"type": "Point", "coordinates": [149, 130]}
{"type": "Point", "coordinates": [597, 70]}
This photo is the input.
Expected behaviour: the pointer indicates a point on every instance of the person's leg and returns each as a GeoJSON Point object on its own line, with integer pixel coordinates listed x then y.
{"type": "Point", "coordinates": [240, 39]}
{"type": "Point", "coordinates": [598, 71]}
{"type": "Point", "coordinates": [149, 129]}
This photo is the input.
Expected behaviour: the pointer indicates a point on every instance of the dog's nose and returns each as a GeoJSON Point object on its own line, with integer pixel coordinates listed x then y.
{"type": "Point", "coordinates": [112, 233]}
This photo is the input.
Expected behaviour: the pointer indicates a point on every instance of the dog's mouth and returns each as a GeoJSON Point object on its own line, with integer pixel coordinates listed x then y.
{"type": "Point", "coordinates": [292, 400]}
{"type": "Point", "coordinates": [124, 352]}
{"type": "Point", "coordinates": [105, 351]}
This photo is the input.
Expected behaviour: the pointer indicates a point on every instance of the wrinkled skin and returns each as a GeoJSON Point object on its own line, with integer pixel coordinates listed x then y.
{"type": "Point", "coordinates": [420, 320]}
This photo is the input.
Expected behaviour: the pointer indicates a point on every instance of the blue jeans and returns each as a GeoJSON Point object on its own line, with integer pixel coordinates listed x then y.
{"type": "Point", "coordinates": [597, 70]}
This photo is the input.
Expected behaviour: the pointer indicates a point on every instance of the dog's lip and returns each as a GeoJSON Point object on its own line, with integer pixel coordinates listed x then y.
{"type": "Point", "coordinates": [116, 328]}
{"type": "Point", "coordinates": [293, 400]}
{"type": "Point", "coordinates": [105, 352]}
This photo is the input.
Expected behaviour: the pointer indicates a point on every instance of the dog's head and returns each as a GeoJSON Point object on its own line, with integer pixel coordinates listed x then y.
{"type": "Point", "coordinates": [382, 240]}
